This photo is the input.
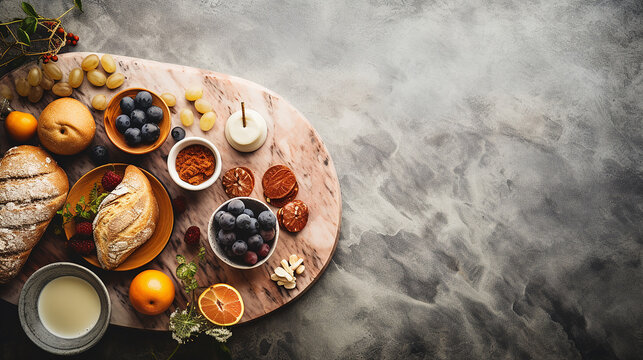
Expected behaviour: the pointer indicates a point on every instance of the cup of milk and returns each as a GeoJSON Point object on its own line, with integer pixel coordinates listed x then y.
{"type": "Point", "coordinates": [64, 308]}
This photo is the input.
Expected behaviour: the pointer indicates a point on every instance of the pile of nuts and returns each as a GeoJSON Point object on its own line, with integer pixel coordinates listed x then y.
{"type": "Point", "coordinates": [284, 275]}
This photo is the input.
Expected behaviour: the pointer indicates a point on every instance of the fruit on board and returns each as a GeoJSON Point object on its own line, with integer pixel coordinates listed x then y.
{"type": "Point", "coordinates": [151, 292]}
{"type": "Point", "coordinates": [99, 102]}
{"type": "Point", "coordinates": [110, 180]}
{"type": "Point", "coordinates": [143, 100]}
{"type": "Point", "coordinates": [82, 245]}
{"type": "Point", "coordinates": [170, 99]}
{"type": "Point", "coordinates": [236, 207]}
{"type": "Point", "coordinates": [99, 155]}
{"type": "Point", "coordinates": [20, 125]}
{"type": "Point", "coordinates": [192, 235]}
{"type": "Point", "coordinates": [133, 136]}
{"type": "Point", "coordinates": [84, 228]}
{"type": "Point", "coordinates": [123, 122]}
{"type": "Point", "coordinates": [127, 105]}
{"type": "Point", "coordinates": [150, 133]}
{"type": "Point", "coordinates": [221, 304]}
{"type": "Point", "coordinates": [154, 114]}
{"type": "Point", "coordinates": [178, 133]}
{"type": "Point", "coordinates": [66, 126]}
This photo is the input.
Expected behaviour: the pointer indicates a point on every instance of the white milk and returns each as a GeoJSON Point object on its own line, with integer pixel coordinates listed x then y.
{"type": "Point", "coordinates": [68, 307]}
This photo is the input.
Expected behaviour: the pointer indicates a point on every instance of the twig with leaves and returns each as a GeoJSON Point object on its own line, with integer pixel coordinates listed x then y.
{"type": "Point", "coordinates": [33, 35]}
{"type": "Point", "coordinates": [185, 324]}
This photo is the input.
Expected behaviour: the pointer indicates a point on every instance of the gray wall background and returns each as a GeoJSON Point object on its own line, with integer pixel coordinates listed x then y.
{"type": "Point", "coordinates": [490, 158]}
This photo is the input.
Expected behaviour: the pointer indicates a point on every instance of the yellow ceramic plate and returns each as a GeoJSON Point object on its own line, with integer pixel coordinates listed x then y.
{"type": "Point", "coordinates": [152, 247]}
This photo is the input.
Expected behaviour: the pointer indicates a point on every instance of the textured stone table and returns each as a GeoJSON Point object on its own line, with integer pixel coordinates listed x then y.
{"type": "Point", "coordinates": [490, 158]}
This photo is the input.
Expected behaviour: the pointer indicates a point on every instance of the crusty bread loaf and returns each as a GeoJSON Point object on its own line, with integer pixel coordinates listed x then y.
{"type": "Point", "coordinates": [126, 219]}
{"type": "Point", "coordinates": [32, 188]}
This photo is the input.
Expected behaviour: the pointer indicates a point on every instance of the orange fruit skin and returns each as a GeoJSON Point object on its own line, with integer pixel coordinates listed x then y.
{"type": "Point", "coordinates": [20, 125]}
{"type": "Point", "coordinates": [221, 304]}
{"type": "Point", "coordinates": [151, 292]}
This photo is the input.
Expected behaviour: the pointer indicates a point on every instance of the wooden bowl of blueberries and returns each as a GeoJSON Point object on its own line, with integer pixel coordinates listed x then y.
{"type": "Point", "coordinates": [137, 121]}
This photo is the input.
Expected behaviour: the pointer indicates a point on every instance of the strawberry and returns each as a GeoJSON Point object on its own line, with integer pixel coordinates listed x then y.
{"type": "Point", "coordinates": [84, 228]}
{"type": "Point", "coordinates": [192, 235]}
{"type": "Point", "coordinates": [82, 245]}
{"type": "Point", "coordinates": [110, 180]}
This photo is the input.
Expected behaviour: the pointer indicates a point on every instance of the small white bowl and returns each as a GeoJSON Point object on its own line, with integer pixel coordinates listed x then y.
{"type": "Point", "coordinates": [171, 163]}
{"type": "Point", "coordinates": [257, 207]}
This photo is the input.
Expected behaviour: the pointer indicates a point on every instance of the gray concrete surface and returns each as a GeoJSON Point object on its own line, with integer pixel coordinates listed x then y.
{"type": "Point", "coordinates": [490, 157]}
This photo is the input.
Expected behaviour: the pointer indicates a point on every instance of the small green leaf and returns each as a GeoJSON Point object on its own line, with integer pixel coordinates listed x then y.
{"type": "Point", "coordinates": [29, 24]}
{"type": "Point", "coordinates": [79, 5]}
{"type": "Point", "coordinates": [180, 259]}
{"type": "Point", "coordinates": [28, 9]}
{"type": "Point", "coordinates": [24, 37]}
{"type": "Point", "coordinates": [201, 253]}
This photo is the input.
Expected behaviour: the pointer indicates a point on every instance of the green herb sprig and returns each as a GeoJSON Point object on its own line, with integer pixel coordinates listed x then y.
{"type": "Point", "coordinates": [185, 324]}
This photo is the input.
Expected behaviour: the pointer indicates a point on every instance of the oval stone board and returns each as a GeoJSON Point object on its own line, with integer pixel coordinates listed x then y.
{"type": "Point", "coordinates": [291, 141]}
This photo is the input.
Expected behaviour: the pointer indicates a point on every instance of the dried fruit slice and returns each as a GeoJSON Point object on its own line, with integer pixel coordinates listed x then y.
{"type": "Point", "coordinates": [221, 304]}
{"type": "Point", "coordinates": [285, 200]}
{"type": "Point", "coordinates": [293, 216]}
{"type": "Point", "coordinates": [238, 181]}
{"type": "Point", "coordinates": [278, 182]}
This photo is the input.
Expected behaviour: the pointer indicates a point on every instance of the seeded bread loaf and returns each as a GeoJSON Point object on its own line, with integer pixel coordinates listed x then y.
{"type": "Point", "coordinates": [32, 188]}
{"type": "Point", "coordinates": [126, 219]}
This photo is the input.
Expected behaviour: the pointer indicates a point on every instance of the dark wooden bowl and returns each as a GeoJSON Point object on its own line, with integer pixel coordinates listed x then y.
{"type": "Point", "coordinates": [114, 110]}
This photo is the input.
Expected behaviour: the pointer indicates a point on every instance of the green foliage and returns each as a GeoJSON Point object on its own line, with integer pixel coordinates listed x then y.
{"type": "Point", "coordinates": [28, 9]}
{"type": "Point", "coordinates": [84, 210]}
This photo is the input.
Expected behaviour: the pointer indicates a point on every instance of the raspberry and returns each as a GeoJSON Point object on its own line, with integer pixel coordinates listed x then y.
{"type": "Point", "coordinates": [54, 58]}
{"type": "Point", "coordinates": [82, 245]}
{"type": "Point", "coordinates": [264, 250]}
{"type": "Point", "coordinates": [110, 180]}
{"type": "Point", "coordinates": [76, 38]}
{"type": "Point", "coordinates": [60, 30]}
{"type": "Point", "coordinates": [84, 228]}
{"type": "Point", "coordinates": [179, 205]}
{"type": "Point", "coordinates": [192, 235]}
{"type": "Point", "coordinates": [74, 42]}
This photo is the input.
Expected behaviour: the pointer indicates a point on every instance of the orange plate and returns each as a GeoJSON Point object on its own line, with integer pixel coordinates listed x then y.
{"type": "Point", "coordinates": [152, 247]}
{"type": "Point", "coordinates": [114, 109]}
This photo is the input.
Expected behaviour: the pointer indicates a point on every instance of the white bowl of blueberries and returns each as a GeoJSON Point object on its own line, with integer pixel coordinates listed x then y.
{"type": "Point", "coordinates": [243, 232]}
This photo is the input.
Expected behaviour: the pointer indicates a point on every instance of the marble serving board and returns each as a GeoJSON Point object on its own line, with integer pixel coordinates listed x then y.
{"type": "Point", "coordinates": [291, 141]}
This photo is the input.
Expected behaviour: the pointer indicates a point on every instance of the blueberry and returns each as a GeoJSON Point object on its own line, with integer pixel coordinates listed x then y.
{"type": "Point", "coordinates": [99, 155]}
{"type": "Point", "coordinates": [137, 118]}
{"type": "Point", "coordinates": [254, 227]}
{"type": "Point", "coordinates": [249, 212]}
{"type": "Point", "coordinates": [227, 221]}
{"type": "Point", "coordinates": [123, 123]}
{"type": "Point", "coordinates": [133, 136]}
{"type": "Point", "coordinates": [143, 100]}
{"type": "Point", "coordinates": [267, 235]}
{"type": "Point", "coordinates": [150, 133]}
{"type": "Point", "coordinates": [239, 247]}
{"type": "Point", "coordinates": [127, 105]}
{"type": "Point", "coordinates": [255, 242]}
{"type": "Point", "coordinates": [226, 238]}
{"type": "Point", "coordinates": [243, 222]}
{"type": "Point", "coordinates": [236, 207]}
{"type": "Point", "coordinates": [267, 220]}
{"type": "Point", "coordinates": [178, 133]}
{"type": "Point", "coordinates": [217, 216]}
{"type": "Point", "coordinates": [154, 114]}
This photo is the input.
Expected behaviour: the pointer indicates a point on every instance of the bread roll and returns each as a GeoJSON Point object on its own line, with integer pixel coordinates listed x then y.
{"type": "Point", "coordinates": [32, 188]}
{"type": "Point", "coordinates": [66, 126]}
{"type": "Point", "coordinates": [126, 219]}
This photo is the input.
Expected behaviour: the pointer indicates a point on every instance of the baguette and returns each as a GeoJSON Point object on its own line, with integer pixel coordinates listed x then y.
{"type": "Point", "coordinates": [32, 188]}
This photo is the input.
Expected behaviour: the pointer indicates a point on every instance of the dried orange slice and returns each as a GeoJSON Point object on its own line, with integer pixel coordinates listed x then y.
{"type": "Point", "coordinates": [278, 181]}
{"type": "Point", "coordinates": [238, 181]}
{"type": "Point", "coordinates": [285, 200]}
{"type": "Point", "coordinates": [293, 216]}
{"type": "Point", "coordinates": [221, 304]}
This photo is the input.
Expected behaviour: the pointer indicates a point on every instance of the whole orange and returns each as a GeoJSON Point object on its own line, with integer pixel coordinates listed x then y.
{"type": "Point", "coordinates": [151, 292]}
{"type": "Point", "coordinates": [21, 126]}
